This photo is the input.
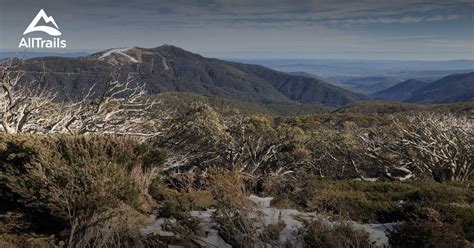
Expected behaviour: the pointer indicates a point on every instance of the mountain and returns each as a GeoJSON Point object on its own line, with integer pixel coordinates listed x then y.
{"type": "Point", "coordinates": [171, 69]}
{"type": "Point", "coordinates": [399, 92]}
{"type": "Point", "coordinates": [302, 89]}
{"type": "Point", "coordinates": [453, 88]}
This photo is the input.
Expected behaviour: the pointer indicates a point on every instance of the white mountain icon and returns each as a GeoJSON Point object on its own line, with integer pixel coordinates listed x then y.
{"type": "Point", "coordinates": [47, 19]}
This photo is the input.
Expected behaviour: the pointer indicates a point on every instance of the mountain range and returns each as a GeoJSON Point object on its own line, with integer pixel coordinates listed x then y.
{"type": "Point", "coordinates": [452, 88]}
{"type": "Point", "coordinates": [171, 69]}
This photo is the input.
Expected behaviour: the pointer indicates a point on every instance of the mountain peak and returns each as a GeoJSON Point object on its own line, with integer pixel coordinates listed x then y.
{"type": "Point", "coordinates": [174, 51]}
{"type": "Point", "coordinates": [130, 55]}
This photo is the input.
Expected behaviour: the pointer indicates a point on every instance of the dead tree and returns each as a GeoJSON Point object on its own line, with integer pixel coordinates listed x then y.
{"type": "Point", "coordinates": [121, 108]}
{"type": "Point", "coordinates": [256, 146]}
{"type": "Point", "coordinates": [442, 146]}
{"type": "Point", "coordinates": [21, 103]}
{"type": "Point", "coordinates": [437, 146]}
{"type": "Point", "coordinates": [387, 155]}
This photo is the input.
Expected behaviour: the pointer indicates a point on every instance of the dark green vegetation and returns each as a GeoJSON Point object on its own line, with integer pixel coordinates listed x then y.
{"type": "Point", "coordinates": [168, 68]}
{"type": "Point", "coordinates": [98, 190]}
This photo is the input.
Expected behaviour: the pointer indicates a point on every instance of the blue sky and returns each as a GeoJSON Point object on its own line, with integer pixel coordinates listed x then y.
{"type": "Point", "coordinates": [313, 29]}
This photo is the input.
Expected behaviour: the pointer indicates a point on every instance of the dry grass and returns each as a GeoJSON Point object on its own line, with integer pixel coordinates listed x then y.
{"type": "Point", "coordinates": [272, 232]}
{"type": "Point", "coordinates": [233, 210]}
{"type": "Point", "coordinates": [228, 187]}
{"type": "Point", "coordinates": [190, 199]}
{"type": "Point", "coordinates": [118, 227]}
{"type": "Point", "coordinates": [238, 221]}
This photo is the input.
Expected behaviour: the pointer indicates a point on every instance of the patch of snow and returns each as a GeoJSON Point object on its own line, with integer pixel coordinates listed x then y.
{"type": "Point", "coordinates": [290, 217]}
{"type": "Point", "coordinates": [262, 202]}
{"type": "Point", "coordinates": [269, 215]}
{"type": "Point", "coordinates": [120, 51]}
{"type": "Point", "coordinates": [157, 227]}
{"type": "Point", "coordinates": [377, 232]}
{"type": "Point", "coordinates": [212, 239]}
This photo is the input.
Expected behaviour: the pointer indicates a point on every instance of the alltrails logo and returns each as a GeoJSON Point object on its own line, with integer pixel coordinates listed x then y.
{"type": "Point", "coordinates": [38, 42]}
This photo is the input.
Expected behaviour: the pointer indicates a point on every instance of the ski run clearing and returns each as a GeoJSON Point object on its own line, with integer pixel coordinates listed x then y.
{"type": "Point", "coordinates": [120, 51]}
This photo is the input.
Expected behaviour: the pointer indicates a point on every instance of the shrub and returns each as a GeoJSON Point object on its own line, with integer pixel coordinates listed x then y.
{"type": "Point", "coordinates": [319, 233]}
{"type": "Point", "coordinates": [232, 213]}
{"type": "Point", "coordinates": [116, 227]}
{"type": "Point", "coordinates": [272, 231]}
{"type": "Point", "coordinates": [238, 222]}
{"type": "Point", "coordinates": [189, 200]}
{"type": "Point", "coordinates": [62, 182]}
{"type": "Point", "coordinates": [425, 229]}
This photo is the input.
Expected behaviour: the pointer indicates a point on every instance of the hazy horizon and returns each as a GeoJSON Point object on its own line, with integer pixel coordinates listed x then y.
{"type": "Point", "coordinates": [53, 52]}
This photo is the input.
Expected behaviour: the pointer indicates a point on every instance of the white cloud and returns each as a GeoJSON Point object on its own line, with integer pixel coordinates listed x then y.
{"type": "Point", "coordinates": [392, 20]}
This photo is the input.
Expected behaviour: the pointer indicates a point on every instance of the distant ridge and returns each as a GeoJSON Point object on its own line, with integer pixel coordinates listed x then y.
{"type": "Point", "coordinates": [400, 92]}
{"type": "Point", "coordinates": [449, 89]}
{"type": "Point", "coordinates": [168, 68]}
{"type": "Point", "coordinates": [453, 88]}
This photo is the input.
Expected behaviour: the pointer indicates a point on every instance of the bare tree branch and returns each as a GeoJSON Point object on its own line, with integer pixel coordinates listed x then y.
{"type": "Point", "coordinates": [21, 102]}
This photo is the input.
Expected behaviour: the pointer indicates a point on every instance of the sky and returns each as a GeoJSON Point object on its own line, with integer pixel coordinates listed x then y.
{"type": "Point", "coordinates": [309, 29]}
